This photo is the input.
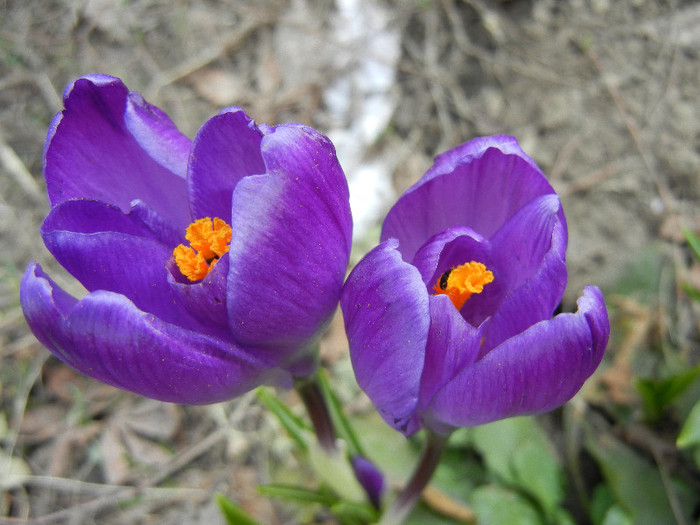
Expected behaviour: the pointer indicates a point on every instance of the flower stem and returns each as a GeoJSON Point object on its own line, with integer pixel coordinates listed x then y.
{"type": "Point", "coordinates": [312, 396]}
{"type": "Point", "coordinates": [409, 496]}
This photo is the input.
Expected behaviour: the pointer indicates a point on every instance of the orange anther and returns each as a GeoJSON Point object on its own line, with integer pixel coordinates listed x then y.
{"type": "Point", "coordinates": [460, 282]}
{"type": "Point", "coordinates": [209, 240]}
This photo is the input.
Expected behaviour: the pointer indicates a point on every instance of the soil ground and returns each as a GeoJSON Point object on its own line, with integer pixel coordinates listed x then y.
{"type": "Point", "coordinates": [603, 94]}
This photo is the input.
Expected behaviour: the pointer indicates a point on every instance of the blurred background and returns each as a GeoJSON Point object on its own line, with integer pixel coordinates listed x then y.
{"type": "Point", "coordinates": [602, 94]}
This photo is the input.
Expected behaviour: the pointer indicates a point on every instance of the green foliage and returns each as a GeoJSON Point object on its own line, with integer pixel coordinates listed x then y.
{"type": "Point", "coordinates": [601, 502]}
{"type": "Point", "coordinates": [693, 241]}
{"type": "Point", "coordinates": [232, 513]}
{"type": "Point", "coordinates": [347, 513]}
{"type": "Point", "coordinates": [495, 505]}
{"type": "Point", "coordinates": [337, 489]}
{"type": "Point", "coordinates": [690, 433]}
{"type": "Point", "coordinates": [342, 424]}
{"type": "Point", "coordinates": [459, 473]}
{"type": "Point", "coordinates": [390, 451]}
{"type": "Point", "coordinates": [691, 291]}
{"type": "Point", "coordinates": [519, 454]}
{"type": "Point", "coordinates": [635, 485]}
{"type": "Point", "coordinates": [298, 494]}
{"type": "Point", "coordinates": [336, 472]}
{"type": "Point", "coordinates": [657, 394]}
{"type": "Point", "coordinates": [508, 471]}
{"type": "Point", "coordinates": [616, 516]}
{"type": "Point", "coordinates": [295, 426]}
{"type": "Point", "coordinates": [694, 244]}
{"type": "Point", "coordinates": [505, 472]}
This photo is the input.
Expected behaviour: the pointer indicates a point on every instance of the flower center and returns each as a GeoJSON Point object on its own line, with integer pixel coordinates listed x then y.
{"type": "Point", "coordinates": [461, 282]}
{"type": "Point", "coordinates": [209, 239]}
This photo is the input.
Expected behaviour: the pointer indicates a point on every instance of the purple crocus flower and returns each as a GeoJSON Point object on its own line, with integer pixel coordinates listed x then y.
{"type": "Point", "coordinates": [211, 265]}
{"type": "Point", "coordinates": [450, 318]}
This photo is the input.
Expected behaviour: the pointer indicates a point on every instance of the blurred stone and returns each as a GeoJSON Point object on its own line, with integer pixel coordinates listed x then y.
{"type": "Point", "coordinates": [221, 88]}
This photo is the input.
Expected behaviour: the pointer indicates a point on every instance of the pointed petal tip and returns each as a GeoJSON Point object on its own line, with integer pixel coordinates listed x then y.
{"type": "Point", "coordinates": [39, 296]}
{"type": "Point", "coordinates": [157, 134]}
{"type": "Point", "coordinates": [477, 147]}
{"type": "Point", "coordinates": [592, 305]}
{"type": "Point", "coordinates": [97, 79]}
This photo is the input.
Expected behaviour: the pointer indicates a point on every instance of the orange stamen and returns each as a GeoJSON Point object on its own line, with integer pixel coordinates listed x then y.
{"type": "Point", "coordinates": [209, 240]}
{"type": "Point", "coordinates": [461, 282]}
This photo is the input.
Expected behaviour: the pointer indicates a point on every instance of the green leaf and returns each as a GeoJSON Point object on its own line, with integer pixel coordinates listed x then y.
{"type": "Point", "coordinates": [617, 516]}
{"type": "Point", "coordinates": [458, 473]}
{"type": "Point", "coordinates": [495, 505]}
{"type": "Point", "coordinates": [601, 502]}
{"type": "Point", "coordinates": [299, 494]}
{"type": "Point", "coordinates": [538, 473]}
{"type": "Point", "coordinates": [693, 241]}
{"type": "Point", "coordinates": [635, 484]}
{"type": "Point", "coordinates": [233, 514]}
{"type": "Point", "coordinates": [349, 513]}
{"type": "Point", "coordinates": [342, 424]}
{"type": "Point", "coordinates": [562, 517]}
{"type": "Point", "coordinates": [690, 433]}
{"type": "Point", "coordinates": [337, 472]}
{"type": "Point", "coordinates": [294, 425]}
{"type": "Point", "coordinates": [393, 454]}
{"type": "Point", "coordinates": [691, 291]}
{"type": "Point", "coordinates": [518, 452]}
{"type": "Point", "coordinates": [657, 394]}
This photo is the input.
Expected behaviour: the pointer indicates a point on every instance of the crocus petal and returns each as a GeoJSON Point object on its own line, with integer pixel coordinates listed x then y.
{"type": "Point", "coordinates": [204, 300]}
{"type": "Point", "coordinates": [110, 145]}
{"type": "Point", "coordinates": [521, 244]}
{"type": "Point", "coordinates": [481, 192]}
{"type": "Point", "coordinates": [386, 312]}
{"type": "Point", "coordinates": [106, 337]}
{"type": "Point", "coordinates": [226, 149]}
{"type": "Point", "coordinates": [162, 230]}
{"type": "Point", "coordinates": [475, 148]}
{"type": "Point", "coordinates": [532, 247]}
{"type": "Point", "coordinates": [453, 246]}
{"type": "Point", "coordinates": [290, 244]}
{"type": "Point", "coordinates": [106, 249]}
{"type": "Point", "coordinates": [453, 344]}
{"type": "Point", "coordinates": [535, 371]}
